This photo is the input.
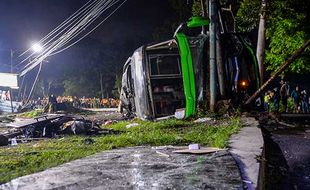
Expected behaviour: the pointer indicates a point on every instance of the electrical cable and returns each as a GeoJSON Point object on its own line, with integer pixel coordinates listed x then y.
{"type": "Point", "coordinates": [46, 49]}
{"type": "Point", "coordinates": [89, 31]}
{"type": "Point", "coordinates": [72, 30]}
{"type": "Point", "coordinates": [73, 33]}
{"type": "Point", "coordinates": [33, 86]}
{"type": "Point", "coordinates": [61, 25]}
{"type": "Point", "coordinates": [76, 18]}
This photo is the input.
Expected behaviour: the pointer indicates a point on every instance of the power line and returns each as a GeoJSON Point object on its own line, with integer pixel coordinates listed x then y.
{"type": "Point", "coordinates": [76, 28]}
{"type": "Point", "coordinates": [63, 26]}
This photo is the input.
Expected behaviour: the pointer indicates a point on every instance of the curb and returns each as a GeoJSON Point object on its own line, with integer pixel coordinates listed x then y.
{"type": "Point", "coordinates": [245, 147]}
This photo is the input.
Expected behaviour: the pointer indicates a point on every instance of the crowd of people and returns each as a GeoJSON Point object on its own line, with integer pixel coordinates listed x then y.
{"type": "Point", "coordinates": [284, 99]}
{"type": "Point", "coordinates": [76, 102]}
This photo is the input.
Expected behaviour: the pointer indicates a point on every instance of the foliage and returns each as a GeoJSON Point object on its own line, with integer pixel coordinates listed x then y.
{"type": "Point", "coordinates": [85, 79]}
{"type": "Point", "coordinates": [290, 106]}
{"type": "Point", "coordinates": [117, 87]}
{"type": "Point", "coordinates": [287, 29]}
{"type": "Point", "coordinates": [196, 8]}
{"type": "Point", "coordinates": [44, 87]}
{"type": "Point", "coordinates": [37, 156]}
{"type": "Point", "coordinates": [248, 15]}
{"type": "Point", "coordinates": [286, 33]}
{"type": "Point", "coordinates": [181, 11]}
{"type": "Point", "coordinates": [31, 114]}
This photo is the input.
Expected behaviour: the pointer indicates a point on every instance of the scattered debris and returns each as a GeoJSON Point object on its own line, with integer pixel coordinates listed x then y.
{"type": "Point", "coordinates": [13, 141]}
{"type": "Point", "coordinates": [4, 141]}
{"type": "Point", "coordinates": [76, 127]}
{"type": "Point", "coordinates": [162, 154]}
{"type": "Point", "coordinates": [164, 118]}
{"type": "Point", "coordinates": [109, 122]}
{"type": "Point", "coordinates": [89, 141]}
{"type": "Point", "coordinates": [193, 147]}
{"type": "Point", "coordinates": [179, 113]}
{"type": "Point", "coordinates": [132, 125]}
{"type": "Point", "coordinates": [50, 126]}
{"type": "Point", "coordinates": [198, 151]}
{"type": "Point", "coordinates": [203, 120]}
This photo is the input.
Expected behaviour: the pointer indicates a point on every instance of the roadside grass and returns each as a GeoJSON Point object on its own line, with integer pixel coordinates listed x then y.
{"type": "Point", "coordinates": [33, 157]}
{"type": "Point", "coordinates": [31, 114]}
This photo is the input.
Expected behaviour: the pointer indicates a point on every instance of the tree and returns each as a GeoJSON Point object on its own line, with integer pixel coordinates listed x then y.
{"type": "Point", "coordinates": [261, 39]}
{"type": "Point", "coordinates": [46, 86]}
{"type": "Point", "coordinates": [93, 72]}
{"type": "Point", "coordinates": [181, 13]}
{"type": "Point", "coordinates": [287, 28]}
{"type": "Point", "coordinates": [286, 32]}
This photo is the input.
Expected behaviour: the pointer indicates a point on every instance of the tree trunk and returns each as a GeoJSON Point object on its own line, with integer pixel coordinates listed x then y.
{"type": "Point", "coordinates": [261, 40]}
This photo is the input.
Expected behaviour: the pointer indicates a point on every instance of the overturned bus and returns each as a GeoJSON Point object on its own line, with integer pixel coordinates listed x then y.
{"type": "Point", "coordinates": [171, 77]}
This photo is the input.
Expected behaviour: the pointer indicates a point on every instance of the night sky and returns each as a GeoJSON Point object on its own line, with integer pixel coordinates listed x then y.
{"type": "Point", "coordinates": [26, 21]}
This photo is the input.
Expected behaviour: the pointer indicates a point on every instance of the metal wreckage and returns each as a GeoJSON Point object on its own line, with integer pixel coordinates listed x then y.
{"type": "Point", "coordinates": [171, 77]}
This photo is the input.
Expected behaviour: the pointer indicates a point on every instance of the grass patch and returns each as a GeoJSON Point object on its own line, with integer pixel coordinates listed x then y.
{"type": "Point", "coordinates": [37, 156]}
{"type": "Point", "coordinates": [31, 114]}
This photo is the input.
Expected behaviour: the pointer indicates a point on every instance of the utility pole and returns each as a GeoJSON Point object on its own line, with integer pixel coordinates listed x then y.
{"type": "Point", "coordinates": [261, 39]}
{"type": "Point", "coordinates": [212, 50]}
{"type": "Point", "coordinates": [203, 14]}
{"type": "Point", "coordinates": [11, 91]}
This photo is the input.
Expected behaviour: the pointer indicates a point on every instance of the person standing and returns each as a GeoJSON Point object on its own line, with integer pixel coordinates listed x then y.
{"type": "Point", "coordinates": [52, 102]}
{"type": "Point", "coordinates": [296, 98]}
{"type": "Point", "coordinates": [276, 99]}
{"type": "Point", "coordinates": [284, 94]}
{"type": "Point", "coordinates": [267, 101]}
{"type": "Point", "coordinates": [304, 101]}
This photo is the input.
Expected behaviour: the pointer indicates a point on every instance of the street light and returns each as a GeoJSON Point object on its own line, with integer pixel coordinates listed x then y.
{"type": "Point", "coordinates": [37, 48]}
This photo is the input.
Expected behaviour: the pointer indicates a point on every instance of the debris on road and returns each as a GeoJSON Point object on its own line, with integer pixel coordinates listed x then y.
{"type": "Point", "coordinates": [131, 125]}
{"type": "Point", "coordinates": [203, 120]}
{"type": "Point", "coordinates": [109, 122]}
{"type": "Point", "coordinates": [4, 141]}
{"type": "Point", "coordinates": [193, 147]}
{"type": "Point", "coordinates": [162, 154]}
{"type": "Point", "coordinates": [205, 150]}
{"type": "Point", "coordinates": [49, 126]}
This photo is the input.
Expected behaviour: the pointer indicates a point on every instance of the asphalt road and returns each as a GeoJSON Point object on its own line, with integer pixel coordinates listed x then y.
{"type": "Point", "coordinates": [137, 168]}
{"type": "Point", "coordinates": [287, 152]}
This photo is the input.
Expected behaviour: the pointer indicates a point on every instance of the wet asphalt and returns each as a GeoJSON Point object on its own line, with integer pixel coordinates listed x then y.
{"type": "Point", "coordinates": [137, 168]}
{"type": "Point", "coordinates": [287, 154]}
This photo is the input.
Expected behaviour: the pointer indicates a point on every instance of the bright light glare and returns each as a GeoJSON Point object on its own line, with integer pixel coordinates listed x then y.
{"type": "Point", "coordinates": [37, 48]}
{"type": "Point", "coordinates": [243, 83]}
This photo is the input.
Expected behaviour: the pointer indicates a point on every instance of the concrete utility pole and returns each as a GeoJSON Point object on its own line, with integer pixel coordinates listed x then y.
{"type": "Point", "coordinates": [212, 52]}
{"type": "Point", "coordinates": [261, 39]}
{"type": "Point", "coordinates": [203, 14]}
{"type": "Point", "coordinates": [11, 91]}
